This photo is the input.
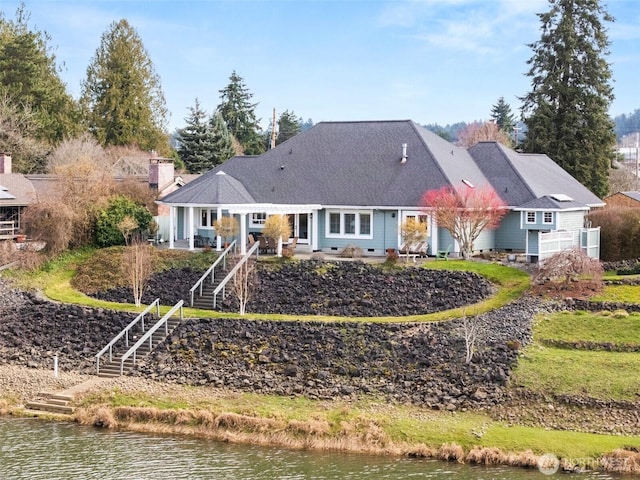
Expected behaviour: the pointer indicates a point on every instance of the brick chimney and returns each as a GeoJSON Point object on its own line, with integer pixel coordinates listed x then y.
{"type": "Point", "coordinates": [5, 162]}
{"type": "Point", "coordinates": [161, 172]}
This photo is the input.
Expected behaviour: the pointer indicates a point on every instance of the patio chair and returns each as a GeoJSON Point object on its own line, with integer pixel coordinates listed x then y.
{"type": "Point", "coordinates": [272, 244]}
{"type": "Point", "coordinates": [444, 254]}
{"type": "Point", "coordinates": [263, 244]}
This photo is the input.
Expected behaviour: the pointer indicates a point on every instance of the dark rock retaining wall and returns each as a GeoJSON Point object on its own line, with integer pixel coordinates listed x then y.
{"type": "Point", "coordinates": [35, 330]}
{"type": "Point", "coordinates": [349, 289]}
{"type": "Point", "coordinates": [419, 363]}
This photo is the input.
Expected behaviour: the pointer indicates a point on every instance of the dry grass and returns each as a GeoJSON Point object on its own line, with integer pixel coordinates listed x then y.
{"type": "Point", "coordinates": [355, 436]}
{"type": "Point", "coordinates": [451, 452]}
{"type": "Point", "coordinates": [621, 461]}
{"type": "Point", "coordinates": [4, 407]}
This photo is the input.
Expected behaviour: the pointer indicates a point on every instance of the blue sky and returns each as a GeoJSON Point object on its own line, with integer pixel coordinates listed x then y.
{"type": "Point", "coordinates": [432, 61]}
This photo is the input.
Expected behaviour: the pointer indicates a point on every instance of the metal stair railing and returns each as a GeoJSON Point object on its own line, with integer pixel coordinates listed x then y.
{"type": "Point", "coordinates": [232, 273]}
{"type": "Point", "coordinates": [125, 332]}
{"type": "Point", "coordinates": [149, 334]}
{"type": "Point", "coordinates": [211, 271]}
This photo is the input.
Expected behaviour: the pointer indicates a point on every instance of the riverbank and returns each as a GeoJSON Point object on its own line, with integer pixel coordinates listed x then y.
{"type": "Point", "coordinates": [358, 392]}
{"type": "Point", "coordinates": [360, 425]}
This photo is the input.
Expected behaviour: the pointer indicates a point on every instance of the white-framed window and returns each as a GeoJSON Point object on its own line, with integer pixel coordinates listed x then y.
{"type": "Point", "coordinates": [548, 217]}
{"type": "Point", "coordinates": [531, 217]}
{"type": "Point", "coordinates": [207, 217]}
{"type": "Point", "coordinates": [258, 219]}
{"type": "Point", "coordinates": [349, 224]}
{"type": "Point", "coordinates": [422, 218]}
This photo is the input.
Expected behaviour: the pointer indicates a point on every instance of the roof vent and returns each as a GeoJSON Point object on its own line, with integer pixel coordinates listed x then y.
{"type": "Point", "coordinates": [404, 153]}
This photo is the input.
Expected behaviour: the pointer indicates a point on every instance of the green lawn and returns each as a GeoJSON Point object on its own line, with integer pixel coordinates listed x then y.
{"type": "Point", "coordinates": [589, 327]}
{"type": "Point", "coordinates": [619, 293]}
{"type": "Point", "coordinates": [598, 374]}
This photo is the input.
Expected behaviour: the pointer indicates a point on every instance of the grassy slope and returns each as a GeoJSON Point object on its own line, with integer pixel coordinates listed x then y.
{"type": "Point", "coordinates": [406, 423]}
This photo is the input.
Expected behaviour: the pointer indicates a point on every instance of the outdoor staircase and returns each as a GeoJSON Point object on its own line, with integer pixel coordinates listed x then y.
{"type": "Point", "coordinates": [205, 301]}
{"type": "Point", "coordinates": [51, 402]}
{"type": "Point", "coordinates": [112, 368]}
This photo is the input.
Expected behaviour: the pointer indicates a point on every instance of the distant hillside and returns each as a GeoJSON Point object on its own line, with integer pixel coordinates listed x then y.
{"type": "Point", "coordinates": [626, 124]}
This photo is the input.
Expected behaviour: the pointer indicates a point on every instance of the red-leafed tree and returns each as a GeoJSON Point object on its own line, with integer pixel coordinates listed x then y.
{"type": "Point", "coordinates": [465, 212]}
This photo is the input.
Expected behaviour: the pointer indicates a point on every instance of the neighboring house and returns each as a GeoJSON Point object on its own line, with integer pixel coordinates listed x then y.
{"type": "Point", "coordinates": [354, 183]}
{"type": "Point", "coordinates": [623, 199]}
{"type": "Point", "coordinates": [18, 191]}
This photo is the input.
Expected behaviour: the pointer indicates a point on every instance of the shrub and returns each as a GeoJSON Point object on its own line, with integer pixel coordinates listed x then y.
{"type": "Point", "coordinates": [619, 232]}
{"type": "Point", "coordinates": [108, 231]}
{"type": "Point", "coordinates": [569, 271]}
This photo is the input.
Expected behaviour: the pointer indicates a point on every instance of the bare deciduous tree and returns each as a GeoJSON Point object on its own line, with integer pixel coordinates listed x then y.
{"type": "Point", "coordinates": [482, 132]}
{"type": "Point", "coordinates": [472, 331]}
{"type": "Point", "coordinates": [137, 260]}
{"type": "Point", "coordinates": [279, 228]}
{"type": "Point", "coordinates": [245, 283]}
{"type": "Point", "coordinates": [465, 212]}
{"type": "Point", "coordinates": [51, 222]}
{"type": "Point", "coordinates": [569, 266]}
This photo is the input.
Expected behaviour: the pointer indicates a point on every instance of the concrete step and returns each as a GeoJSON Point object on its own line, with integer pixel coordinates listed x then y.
{"type": "Point", "coordinates": [56, 396]}
{"type": "Point", "coordinates": [48, 407]}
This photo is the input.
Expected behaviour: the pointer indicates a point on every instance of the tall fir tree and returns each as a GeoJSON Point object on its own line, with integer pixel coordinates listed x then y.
{"type": "Point", "coordinates": [221, 139]}
{"type": "Point", "coordinates": [288, 126]}
{"type": "Point", "coordinates": [566, 111]}
{"type": "Point", "coordinates": [195, 142]}
{"type": "Point", "coordinates": [239, 114]}
{"type": "Point", "coordinates": [122, 97]}
{"type": "Point", "coordinates": [29, 80]}
{"type": "Point", "coordinates": [504, 118]}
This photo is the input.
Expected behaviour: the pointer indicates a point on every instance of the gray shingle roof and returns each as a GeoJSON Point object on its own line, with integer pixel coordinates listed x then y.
{"type": "Point", "coordinates": [359, 164]}
{"type": "Point", "coordinates": [211, 189]}
{"type": "Point", "coordinates": [548, 203]}
{"type": "Point", "coordinates": [633, 195]}
{"type": "Point", "coordinates": [19, 190]}
{"type": "Point", "coordinates": [519, 178]}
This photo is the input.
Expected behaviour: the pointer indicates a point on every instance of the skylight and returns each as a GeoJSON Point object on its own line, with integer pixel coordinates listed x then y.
{"type": "Point", "coordinates": [561, 197]}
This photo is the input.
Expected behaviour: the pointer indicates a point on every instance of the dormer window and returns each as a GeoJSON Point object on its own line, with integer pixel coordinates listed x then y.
{"type": "Point", "coordinates": [531, 217]}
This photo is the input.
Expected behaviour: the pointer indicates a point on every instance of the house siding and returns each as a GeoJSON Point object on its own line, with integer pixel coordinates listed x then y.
{"type": "Point", "coordinates": [377, 244]}
{"type": "Point", "coordinates": [485, 241]}
{"type": "Point", "coordinates": [572, 222]}
{"type": "Point", "coordinates": [509, 236]}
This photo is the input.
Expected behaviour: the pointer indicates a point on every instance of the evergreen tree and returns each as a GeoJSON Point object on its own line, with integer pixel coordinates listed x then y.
{"type": "Point", "coordinates": [122, 97]}
{"type": "Point", "coordinates": [501, 113]}
{"type": "Point", "coordinates": [288, 126]}
{"type": "Point", "coordinates": [222, 140]}
{"type": "Point", "coordinates": [195, 142]}
{"type": "Point", "coordinates": [566, 110]}
{"type": "Point", "coordinates": [29, 78]}
{"type": "Point", "coordinates": [204, 143]}
{"type": "Point", "coordinates": [239, 114]}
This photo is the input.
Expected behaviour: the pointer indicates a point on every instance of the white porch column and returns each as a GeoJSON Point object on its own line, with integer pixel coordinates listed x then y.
{"type": "Point", "coordinates": [190, 227]}
{"type": "Point", "coordinates": [243, 233]}
{"type": "Point", "coordinates": [314, 230]}
{"type": "Point", "coordinates": [399, 230]}
{"type": "Point", "coordinates": [434, 235]}
{"type": "Point", "coordinates": [218, 237]}
{"type": "Point", "coordinates": [172, 213]}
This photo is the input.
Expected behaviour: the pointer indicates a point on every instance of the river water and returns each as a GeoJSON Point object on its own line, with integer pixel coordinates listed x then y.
{"type": "Point", "coordinates": [38, 450]}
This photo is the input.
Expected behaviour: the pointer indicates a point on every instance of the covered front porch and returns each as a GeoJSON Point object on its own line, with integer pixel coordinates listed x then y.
{"type": "Point", "coordinates": [190, 224]}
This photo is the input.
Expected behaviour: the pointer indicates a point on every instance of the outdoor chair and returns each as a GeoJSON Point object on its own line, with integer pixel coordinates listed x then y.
{"type": "Point", "coordinates": [272, 244]}
{"type": "Point", "coordinates": [263, 244]}
{"type": "Point", "coordinates": [444, 254]}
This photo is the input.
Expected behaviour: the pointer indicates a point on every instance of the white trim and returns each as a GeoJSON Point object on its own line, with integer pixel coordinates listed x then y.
{"type": "Point", "coordinates": [526, 217]}
{"type": "Point", "coordinates": [544, 218]}
{"type": "Point", "coordinates": [356, 226]}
